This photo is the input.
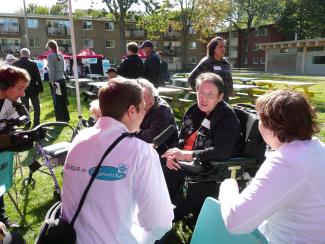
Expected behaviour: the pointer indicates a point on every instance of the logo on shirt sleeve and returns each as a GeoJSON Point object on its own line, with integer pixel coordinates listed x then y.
{"type": "Point", "coordinates": [110, 173]}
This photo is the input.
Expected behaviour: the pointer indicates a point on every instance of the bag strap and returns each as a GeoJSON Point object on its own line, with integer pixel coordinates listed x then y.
{"type": "Point", "coordinates": [95, 174]}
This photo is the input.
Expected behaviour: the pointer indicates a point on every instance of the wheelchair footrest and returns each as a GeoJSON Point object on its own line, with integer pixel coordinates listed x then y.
{"type": "Point", "coordinates": [57, 149]}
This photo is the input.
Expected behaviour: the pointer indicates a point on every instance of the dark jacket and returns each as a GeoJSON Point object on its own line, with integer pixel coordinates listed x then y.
{"type": "Point", "coordinates": [164, 73]}
{"type": "Point", "coordinates": [221, 68]}
{"type": "Point", "coordinates": [131, 67]}
{"type": "Point", "coordinates": [35, 85]}
{"type": "Point", "coordinates": [156, 121]}
{"type": "Point", "coordinates": [152, 68]}
{"type": "Point", "coordinates": [221, 141]}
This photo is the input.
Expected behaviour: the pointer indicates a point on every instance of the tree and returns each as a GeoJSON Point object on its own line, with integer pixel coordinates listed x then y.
{"type": "Point", "coordinates": [59, 9]}
{"type": "Point", "coordinates": [302, 18]}
{"type": "Point", "coordinates": [248, 13]}
{"type": "Point", "coordinates": [35, 9]}
{"type": "Point", "coordinates": [119, 9]}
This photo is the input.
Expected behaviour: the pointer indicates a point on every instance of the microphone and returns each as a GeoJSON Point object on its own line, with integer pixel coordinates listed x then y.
{"type": "Point", "coordinates": [164, 136]}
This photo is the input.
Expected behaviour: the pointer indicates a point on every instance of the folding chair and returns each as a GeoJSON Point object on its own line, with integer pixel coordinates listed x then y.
{"type": "Point", "coordinates": [210, 228]}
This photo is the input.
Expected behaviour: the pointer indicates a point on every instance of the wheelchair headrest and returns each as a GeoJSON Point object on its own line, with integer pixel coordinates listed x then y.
{"type": "Point", "coordinates": [254, 145]}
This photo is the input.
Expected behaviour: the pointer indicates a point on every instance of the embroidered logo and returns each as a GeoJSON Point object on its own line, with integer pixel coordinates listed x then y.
{"type": "Point", "coordinates": [110, 173]}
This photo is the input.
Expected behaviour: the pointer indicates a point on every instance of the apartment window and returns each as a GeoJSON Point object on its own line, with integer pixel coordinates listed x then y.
{"type": "Point", "coordinates": [109, 26]}
{"type": "Point", "coordinates": [245, 61]}
{"type": "Point", "coordinates": [319, 60]}
{"type": "Point", "coordinates": [64, 45]}
{"type": "Point", "coordinates": [262, 60]}
{"type": "Point", "coordinates": [112, 60]}
{"type": "Point", "coordinates": [110, 44]}
{"type": "Point", "coordinates": [255, 60]}
{"type": "Point", "coordinates": [58, 27]}
{"type": "Point", "coordinates": [32, 23]}
{"type": "Point", "coordinates": [34, 42]}
{"type": "Point", "coordinates": [87, 25]}
{"type": "Point", "coordinates": [9, 25]}
{"type": "Point", "coordinates": [260, 32]}
{"type": "Point", "coordinates": [10, 45]}
{"type": "Point", "coordinates": [191, 30]}
{"type": "Point", "coordinates": [234, 34]}
{"type": "Point", "coordinates": [233, 48]}
{"type": "Point", "coordinates": [284, 50]}
{"type": "Point", "coordinates": [192, 45]}
{"type": "Point", "coordinates": [88, 43]}
{"type": "Point", "coordinates": [256, 47]}
{"type": "Point", "coordinates": [192, 60]}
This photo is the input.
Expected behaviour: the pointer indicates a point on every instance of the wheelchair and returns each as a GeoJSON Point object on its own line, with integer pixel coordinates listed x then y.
{"type": "Point", "coordinates": [50, 155]}
{"type": "Point", "coordinates": [203, 181]}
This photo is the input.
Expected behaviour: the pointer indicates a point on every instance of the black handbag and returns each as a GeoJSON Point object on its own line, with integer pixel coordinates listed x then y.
{"type": "Point", "coordinates": [56, 230]}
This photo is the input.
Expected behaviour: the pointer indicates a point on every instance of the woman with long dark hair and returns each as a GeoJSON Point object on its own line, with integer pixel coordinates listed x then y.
{"type": "Point", "coordinates": [215, 62]}
{"type": "Point", "coordinates": [57, 82]}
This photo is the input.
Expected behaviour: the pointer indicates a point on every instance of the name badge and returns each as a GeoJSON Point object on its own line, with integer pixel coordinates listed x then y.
{"type": "Point", "coordinates": [206, 123]}
{"type": "Point", "coordinates": [217, 68]}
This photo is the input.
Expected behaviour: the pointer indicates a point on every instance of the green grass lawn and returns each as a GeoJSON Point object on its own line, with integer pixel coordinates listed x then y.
{"type": "Point", "coordinates": [34, 201]}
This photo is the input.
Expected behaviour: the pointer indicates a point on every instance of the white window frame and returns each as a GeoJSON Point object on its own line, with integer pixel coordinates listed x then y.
{"type": "Point", "coordinates": [91, 40]}
{"type": "Point", "coordinates": [191, 46]}
{"type": "Point", "coordinates": [109, 22]}
{"type": "Point", "coordinates": [262, 60]}
{"type": "Point", "coordinates": [32, 21]}
{"type": "Point", "coordinates": [255, 60]}
{"type": "Point", "coordinates": [35, 40]}
{"type": "Point", "coordinates": [88, 24]}
{"type": "Point", "coordinates": [113, 42]}
{"type": "Point", "coordinates": [192, 60]}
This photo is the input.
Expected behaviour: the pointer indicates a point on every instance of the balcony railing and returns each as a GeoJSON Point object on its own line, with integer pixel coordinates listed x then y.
{"type": "Point", "coordinates": [172, 34]}
{"type": "Point", "coordinates": [58, 31]}
{"type": "Point", "coordinates": [4, 50]}
{"type": "Point", "coordinates": [134, 33]}
{"type": "Point", "coordinates": [9, 30]}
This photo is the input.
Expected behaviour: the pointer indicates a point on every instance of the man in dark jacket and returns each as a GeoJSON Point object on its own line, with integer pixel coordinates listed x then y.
{"type": "Point", "coordinates": [152, 63]}
{"type": "Point", "coordinates": [132, 66]}
{"type": "Point", "coordinates": [35, 85]}
{"type": "Point", "coordinates": [158, 117]}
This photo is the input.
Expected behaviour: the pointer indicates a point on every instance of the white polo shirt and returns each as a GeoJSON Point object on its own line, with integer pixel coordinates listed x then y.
{"type": "Point", "coordinates": [128, 202]}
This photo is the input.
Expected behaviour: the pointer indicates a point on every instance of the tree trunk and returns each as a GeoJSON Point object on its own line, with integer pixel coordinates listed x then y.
{"type": "Point", "coordinates": [122, 34]}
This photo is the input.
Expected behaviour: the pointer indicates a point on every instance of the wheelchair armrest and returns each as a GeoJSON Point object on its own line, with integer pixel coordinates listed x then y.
{"type": "Point", "coordinates": [192, 168]}
{"type": "Point", "coordinates": [237, 161]}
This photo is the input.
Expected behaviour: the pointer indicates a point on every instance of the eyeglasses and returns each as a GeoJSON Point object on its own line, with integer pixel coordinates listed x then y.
{"type": "Point", "coordinates": [210, 95]}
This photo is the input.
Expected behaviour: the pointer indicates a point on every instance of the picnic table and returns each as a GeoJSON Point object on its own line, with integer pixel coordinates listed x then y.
{"type": "Point", "coordinates": [180, 81]}
{"type": "Point", "coordinates": [244, 80]}
{"type": "Point", "coordinates": [294, 85]}
{"type": "Point", "coordinates": [170, 91]}
{"type": "Point", "coordinates": [96, 76]}
{"type": "Point", "coordinates": [82, 81]}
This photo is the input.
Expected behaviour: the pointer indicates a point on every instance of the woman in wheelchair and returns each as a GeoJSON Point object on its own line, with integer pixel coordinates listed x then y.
{"type": "Point", "coordinates": [286, 198]}
{"type": "Point", "coordinates": [210, 131]}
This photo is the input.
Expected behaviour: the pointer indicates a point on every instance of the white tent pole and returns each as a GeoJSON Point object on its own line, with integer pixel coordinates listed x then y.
{"type": "Point", "coordinates": [74, 55]}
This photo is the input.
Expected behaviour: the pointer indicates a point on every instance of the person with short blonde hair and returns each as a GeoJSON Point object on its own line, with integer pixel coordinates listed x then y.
{"type": "Point", "coordinates": [285, 199]}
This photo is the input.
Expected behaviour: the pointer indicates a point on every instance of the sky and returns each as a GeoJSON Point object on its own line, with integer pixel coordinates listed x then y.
{"type": "Point", "coordinates": [12, 6]}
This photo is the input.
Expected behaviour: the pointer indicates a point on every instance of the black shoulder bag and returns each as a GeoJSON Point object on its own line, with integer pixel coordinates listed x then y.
{"type": "Point", "coordinates": [56, 230]}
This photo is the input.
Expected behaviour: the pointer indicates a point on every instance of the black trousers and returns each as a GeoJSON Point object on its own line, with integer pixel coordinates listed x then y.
{"type": "Point", "coordinates": [2, 209]}
{"type": "Point", "coordinates": [61, 102]}
{"type": "Point", "coordinates": [36, 105]}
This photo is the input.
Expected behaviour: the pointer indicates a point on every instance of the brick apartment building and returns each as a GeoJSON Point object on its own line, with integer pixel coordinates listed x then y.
{"type": "Point", "coordinates": [102, 35]}
{"type": "Point", "coordinates": [254, 57]}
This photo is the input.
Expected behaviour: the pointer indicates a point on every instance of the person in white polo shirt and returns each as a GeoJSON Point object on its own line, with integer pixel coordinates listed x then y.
{"type": "Point", "coordinates": [128, 202]}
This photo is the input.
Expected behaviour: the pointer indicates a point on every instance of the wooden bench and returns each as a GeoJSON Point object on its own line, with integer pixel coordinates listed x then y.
{"type": "Point", "coordinates": [89, 95]}
{"type": "Point", "coordinates": [71, 90]}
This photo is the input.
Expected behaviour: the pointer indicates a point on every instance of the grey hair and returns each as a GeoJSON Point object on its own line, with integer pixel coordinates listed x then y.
{"type": "Point", "coordinates": [211, 78]}
{"type": "Point", "coordinates": [24, 52]}
{"type": "Point", "coordinates": [147, 84]}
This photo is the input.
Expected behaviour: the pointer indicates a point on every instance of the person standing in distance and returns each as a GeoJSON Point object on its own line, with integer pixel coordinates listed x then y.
{"type": "Point", "coordinates": [152, 63]}
{"type": "Point", "coordinates": [215, 62]}
{"type": "Point", "coordinates": [132, 66]}
{"type": "Point", "coordinates": [35, 85]}
{"type": "Point", "coordinates": [55, 64]}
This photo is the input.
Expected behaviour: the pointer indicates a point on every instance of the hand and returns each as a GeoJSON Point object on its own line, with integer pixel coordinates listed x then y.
{"type": "Point", "coordinates": [172, 164]}
{"type": "Point", "coordinates": [177, 154]}
{"type": "Point", "coordinates": [2, 231]}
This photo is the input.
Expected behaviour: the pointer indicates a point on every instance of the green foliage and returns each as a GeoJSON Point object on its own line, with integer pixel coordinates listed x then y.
{"type": "Point", "coordinates": [59, 9]}
{"type": "Point", "coordinates": [306, 18]}
{"type": "Point", "coordinates": [37, 9]}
